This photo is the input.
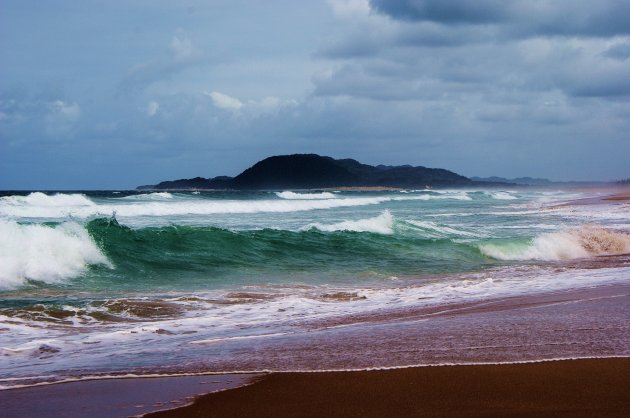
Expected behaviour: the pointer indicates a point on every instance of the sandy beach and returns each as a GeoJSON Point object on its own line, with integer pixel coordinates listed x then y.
{"type": "Point", "coordinates": [577, 388]}
{"type": "Point", "coordinates": [581, 323]}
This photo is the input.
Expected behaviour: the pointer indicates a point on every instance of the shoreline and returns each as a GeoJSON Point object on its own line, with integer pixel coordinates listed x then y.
{"type": "Point", "coordinates": [580, 387]}
{"type": "Point", "coordinates": [487, 336]}
{"type": "Point", "coordinates": [588, 386]}
{"type": "Point", "coordinates": [114, 396]}
{"type": "Point", "coordinates": [612, 197]}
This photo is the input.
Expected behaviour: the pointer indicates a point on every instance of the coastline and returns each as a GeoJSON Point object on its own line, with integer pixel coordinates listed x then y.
{"type": "Point", "coordinates": [610, 196]}
{"type": "Point", "coordinates": [492, 332]}
{"type": "Point", "coordinates": [588, 387]}
{"type": "Point", "coordinates": [114, 397]}
{"type": "Point", "coordinates": [480, 359]}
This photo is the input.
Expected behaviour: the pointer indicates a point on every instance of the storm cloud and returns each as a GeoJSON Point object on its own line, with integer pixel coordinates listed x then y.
{"type": "Point", "coordinates": [154, 90]}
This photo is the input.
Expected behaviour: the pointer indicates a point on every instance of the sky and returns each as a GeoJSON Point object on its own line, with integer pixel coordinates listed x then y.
{"type": "Point", "coordinates": [116, 94]}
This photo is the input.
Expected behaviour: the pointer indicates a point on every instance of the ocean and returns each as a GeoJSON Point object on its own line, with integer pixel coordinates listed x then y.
{"type": "Point", "coordinates": [119, 283]}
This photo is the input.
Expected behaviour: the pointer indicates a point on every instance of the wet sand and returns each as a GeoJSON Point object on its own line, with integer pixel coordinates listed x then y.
{"type": "Point", "coordinates": [611, 196]}
{"type": "Point", "coordinates": [588, 322]}
{"type": "Point", "coordinates": [579, 323]}
{"type": "Point", "coordinates": [111, 397]}
{"type": "Point", "coordinates": [577, 388]}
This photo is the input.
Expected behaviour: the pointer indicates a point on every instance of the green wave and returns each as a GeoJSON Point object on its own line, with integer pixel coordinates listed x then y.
{"type": "Point", "coordinates": [210, 255]}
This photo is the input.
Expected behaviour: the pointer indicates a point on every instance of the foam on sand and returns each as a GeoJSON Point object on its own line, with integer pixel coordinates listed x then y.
{"type": "Point", "coordinates": [584, 241]}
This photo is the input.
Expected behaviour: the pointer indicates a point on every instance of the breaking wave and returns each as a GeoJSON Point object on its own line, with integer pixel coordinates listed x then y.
{"type": "Point", "coordinates": [43, 200]}
{"type": "Point", "coordinates": [582, 242]}
{"type": "Point", "coordinates": [502, 195]}
{"type": "Point", "coordinates": [40, 205]}
{"type": "Point", "coordinates": [434, 230]}
{"type": "Point", "coordinates": [44, 253]}
{"type": "Point", "coordinates": [382, 224]}
{"type": "Point", "coordinates": [149, 196]}
{"type": "Point", "coordinates": [305, 196]}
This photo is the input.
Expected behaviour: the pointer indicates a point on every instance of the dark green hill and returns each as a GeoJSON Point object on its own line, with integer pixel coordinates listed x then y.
{"type": "Point", "coordinates": [298, 171]}
{"type": "Point", "coordinates": [312, 171]}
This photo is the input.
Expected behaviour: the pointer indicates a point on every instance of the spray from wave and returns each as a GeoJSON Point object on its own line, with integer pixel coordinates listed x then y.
{"type": "Point", "coordinates": [434, 230]}
{"type": "Point", "coordinates": [382, 224]}
{"type": "Point", "coordinates": [44, 253]}
{"type": "Point", "coordinates": [502, 195]}
{"type": "Point", "coordinates": [149, 196]}
{"type": "Point", "coordinates": [39, 205]}
{"type": "Point", "coordinates": [582, 242]}
{"type": "Point", "coordinates": [44, 200]}
{"type": "Point", "coordinates": [305, 196]}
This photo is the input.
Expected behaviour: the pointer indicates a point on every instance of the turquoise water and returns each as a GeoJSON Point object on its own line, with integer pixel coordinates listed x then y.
{"type": "Point", "coordinates": [115, 271]}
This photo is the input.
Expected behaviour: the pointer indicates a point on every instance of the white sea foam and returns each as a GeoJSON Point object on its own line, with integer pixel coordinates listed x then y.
{"type": "Point", "coordinates": [585, 241]}
{"type": "Point", "coordinates": [175, 207]}
{"type": "Point", "coordinates": [60, 206]}
{"type": "Point", "coordinates": [149, 196]}
{"type": "Point", "coordinates": [502, 195]}
{"type": "Point", "coordinates": [290, 313]}
{"type": "Point", "coordinates": [42, 253]}
{"type": "Point", "coordinates": [434, 230]}
{"type": "Point", "coordinates": [39, 199]}
{"type": "Point", "coordinates": [382, 224]}
{"type": "Point", "coordinates": [305, 196]}
{"type": "Point", "coordinates": [436, 195]}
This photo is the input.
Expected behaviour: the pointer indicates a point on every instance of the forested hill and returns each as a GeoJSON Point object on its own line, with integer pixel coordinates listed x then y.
{"type": "Point", "coordinates": [312, 171]}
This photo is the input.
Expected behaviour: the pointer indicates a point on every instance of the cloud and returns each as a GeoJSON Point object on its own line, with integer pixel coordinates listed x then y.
{"type": "Point", "coordinates": [518, 18]}
{"type": "Point", "coordinates": [183, 50]}
{"type": "Point", "coordinates": [480, 87]}
{"type": "Point", "coordinates": [69, 111]}
{"type": "Point", "coordinates": [619, 51]}
{"type": "Point", "coordinates": [183, 55]}
{"type": "Point", "coordinates": [427, 49]}
{"type": "Point", "coordinates": [224, 101]}
{"type": "Point", "coordinates": [152, 108]}
{"type": "Point", "coordinates": [345, 8]}
{"type": "Point", "coordinates": [445, 11]}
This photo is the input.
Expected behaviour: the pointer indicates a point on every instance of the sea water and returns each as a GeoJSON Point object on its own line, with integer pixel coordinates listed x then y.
{"type": "Point", "coordinates": [102, 283]}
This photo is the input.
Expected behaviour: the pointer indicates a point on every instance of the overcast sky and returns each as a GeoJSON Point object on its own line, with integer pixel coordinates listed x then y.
{"type": "Point", "coordinates": [114, 94]}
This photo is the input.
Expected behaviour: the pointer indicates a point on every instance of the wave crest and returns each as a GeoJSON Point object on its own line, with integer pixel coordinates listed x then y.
{"type": "Point", "coordinates": [305, 196]}
{"type": "Point", "coordinates": [382, 224]}
{"type": "Point", "coordinates": [42, 199]}
{"type": "Point", "coordinates": [434, 230]}
{"type": "Point", "coordinates": [149, 196]}
{"type": "Point", "coordinates": [44, 253]}
{"type": "Point", "coordinates": [582, 242]}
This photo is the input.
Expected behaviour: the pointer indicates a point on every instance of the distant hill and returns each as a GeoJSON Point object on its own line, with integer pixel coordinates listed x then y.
{"type": "Point", "coordinates": [529, 181]}
{"type": "Point", "coordinates": [539, 182]}
{"type": "Point", "coordinates": [311, 171]}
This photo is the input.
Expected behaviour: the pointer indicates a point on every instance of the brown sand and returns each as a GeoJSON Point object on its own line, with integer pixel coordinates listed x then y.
{"type": "Point", "coordinates": [577, 388]}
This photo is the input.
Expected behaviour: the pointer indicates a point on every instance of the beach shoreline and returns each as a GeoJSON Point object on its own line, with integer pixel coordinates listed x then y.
{"type": "Point", "coordinates": [470, 344]}
{"type": "Point", "coordinates": [585, 387]}
{"type": "Point", "coordinates": [492, 319]}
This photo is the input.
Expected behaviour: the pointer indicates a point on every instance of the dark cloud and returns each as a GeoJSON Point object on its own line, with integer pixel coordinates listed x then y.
{"type": "Point", "coordinates": [619, 51]}
{"type": "Point", "coordinates": [518, 17]}
{"type": "Point", "coordinates": [444, 11]}
{"type": "Point", "coordinates": [510, 88]}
